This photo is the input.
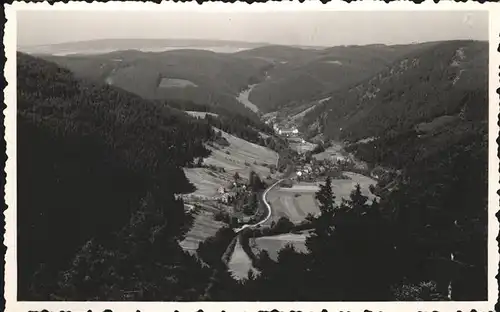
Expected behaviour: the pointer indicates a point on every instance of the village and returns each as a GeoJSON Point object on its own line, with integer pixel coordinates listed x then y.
{"type": "Point", "coordinates": [312, 164]}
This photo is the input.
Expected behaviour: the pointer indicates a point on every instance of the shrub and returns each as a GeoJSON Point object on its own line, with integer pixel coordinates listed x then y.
{"type": "Point", "coordinates": [222, 216]}
{"type": "Point", "coordinates": [222, 141]}
{"type": "Point", "coordinates": [286, 183]}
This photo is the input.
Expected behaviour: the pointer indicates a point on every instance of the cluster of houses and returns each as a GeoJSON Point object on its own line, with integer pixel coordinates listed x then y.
{"type": "Point", "coordinates": [313, 169]}
{"type": "Point", "coordinates": [288, 130]}
{"type": "Point", "coordinates": [226, 194]}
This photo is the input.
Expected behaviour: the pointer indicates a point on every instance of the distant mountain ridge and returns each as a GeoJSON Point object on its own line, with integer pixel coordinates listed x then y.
{"type": "Point", "coordinates": [130, 43]}
{"type": "Point", "coordinates": [116, 44]}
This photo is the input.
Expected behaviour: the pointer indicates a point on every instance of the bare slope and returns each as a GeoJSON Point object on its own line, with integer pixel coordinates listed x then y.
{"type": "Point", "coordinates": [240, 156]}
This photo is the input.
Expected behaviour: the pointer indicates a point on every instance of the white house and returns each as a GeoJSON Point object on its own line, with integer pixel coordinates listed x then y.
{"type": "Point", "coordinates": [339, 158]}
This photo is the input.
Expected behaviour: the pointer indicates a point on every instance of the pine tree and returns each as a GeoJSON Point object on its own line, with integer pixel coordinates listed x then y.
{"type": "Point", "coordinates": [358, 201]}
{"type": "Point", "coordinates": [326, 198]}
{"type": "Point", "coordinates": [323, 223]}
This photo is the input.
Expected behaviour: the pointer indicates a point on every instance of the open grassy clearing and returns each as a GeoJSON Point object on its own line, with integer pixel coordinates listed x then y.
{"type": "Point", "coordinates": [286, 204]}
{"type": "Point", "coordinates": [273, 244]}
{"type": "Point", "coordinates": [310, 107]}
{"type": "Point", "coordinates": [240, 156]}
{"type": "Point", "coordinates": [436, 123]}
{"type": "Point", "coordinates": [300, 147]}
{"type": "Point", "coordinates": [204, 227]}
{"type": "Point", "coordinates": [296, 202]}
{"type": "Point", "coordinates": [201, 114]}
{"type": "Point", "coordinates": [240, 263]}
{"type": "Point", "coordinates": [207, 181]}
{"type": "Point", "coordinates": [243, 99]}
{"type": "Point", "coordinates": [330, 152]}
{"type": "Point", "coordinates": [176, 83]}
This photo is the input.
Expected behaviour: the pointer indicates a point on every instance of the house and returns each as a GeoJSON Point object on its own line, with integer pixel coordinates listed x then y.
{"type": "Point", "coordinates": [225, 198]}
{"type": "Point", "coordinates": [221, 190]}
{"type": "Point", "coordinates": [288, 132]}
{"type": "Point", "coordinates": [338, 158]}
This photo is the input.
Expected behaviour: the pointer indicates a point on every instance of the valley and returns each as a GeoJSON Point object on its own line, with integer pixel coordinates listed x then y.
{"type": "Point", "coordinates": [219, 174]}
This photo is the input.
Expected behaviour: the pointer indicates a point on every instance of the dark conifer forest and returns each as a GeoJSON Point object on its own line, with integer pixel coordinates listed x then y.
{"type": "Point", "coordinates": [96, 165]}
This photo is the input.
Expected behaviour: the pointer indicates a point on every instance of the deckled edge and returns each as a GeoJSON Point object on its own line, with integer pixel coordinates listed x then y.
{"type": "Point", "coordinates": [237, 306]}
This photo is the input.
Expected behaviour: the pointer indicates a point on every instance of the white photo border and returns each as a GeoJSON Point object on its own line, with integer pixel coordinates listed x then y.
{"type": "Point", "coordinates": [10, 292]}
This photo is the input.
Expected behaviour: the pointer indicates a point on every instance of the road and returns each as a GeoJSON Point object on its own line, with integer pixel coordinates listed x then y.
{"type": "Point", "coordinates": [239, 262]}
{"type": "Point", "coordinates": [268, 207]}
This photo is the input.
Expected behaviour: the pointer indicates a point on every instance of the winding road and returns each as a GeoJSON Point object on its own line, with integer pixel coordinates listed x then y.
{"type": "Point", "coordinates": [268, 207]}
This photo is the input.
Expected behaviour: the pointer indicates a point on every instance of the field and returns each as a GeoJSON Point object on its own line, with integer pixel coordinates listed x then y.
{"type": "Point", "coordinates": [207, 181]}
{"type": "Point", "coordinates": [176, 83]}
{"type": "Point", "coordinates": [298, 146]}
{"type": "Point", "coordinates": [240, 263]}
{"type": "Point", "coordinates": [296, 202]}
{"type": "Point", "coordinates": [240, 156]}
{"type": "Point", "coordinates": [243, 99]}
{"type": "Point", "coordinates": [304, 112]}
{"type": "Point", "coordinates": [201, 114]}
{"type": "Point", "coordinates": [436, 123]}
{"type": "Point", "coordinates": [285, 203]}
{"type": "Point", "coordinates": [329, 152]}
{"type": "Point", "coordinates": [204, 226]}
{"type": "Point", "coordinates": [273, 244]}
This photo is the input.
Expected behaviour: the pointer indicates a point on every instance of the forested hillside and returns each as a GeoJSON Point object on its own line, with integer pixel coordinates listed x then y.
{"type": "Point", "coordinates": [444, 79]}
{"type": "Point", "coordinates": [92, 159]}
{"type": "Point", "coordinates": [200, 76]}
{"type": "Point", "coordinates": [301, 76]}
{"type": "Point", "coordinates": [247, 127]}
{"type": "Point", "coordinates": [435, 132]}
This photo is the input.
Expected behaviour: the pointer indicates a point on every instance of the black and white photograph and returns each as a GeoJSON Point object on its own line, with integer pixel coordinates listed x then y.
{"type": "Point", "coordinates": [284, 156]}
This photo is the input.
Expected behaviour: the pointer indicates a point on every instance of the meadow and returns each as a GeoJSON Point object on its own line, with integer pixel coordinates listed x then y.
{"type": "Point", "coordinates": [298, 201]}
{"type": "Point", "coordinates": [240, 156]}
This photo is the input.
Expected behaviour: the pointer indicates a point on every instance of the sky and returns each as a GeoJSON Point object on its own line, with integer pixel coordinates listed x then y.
{"type": "Point", "coordinates": [289, 28]}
